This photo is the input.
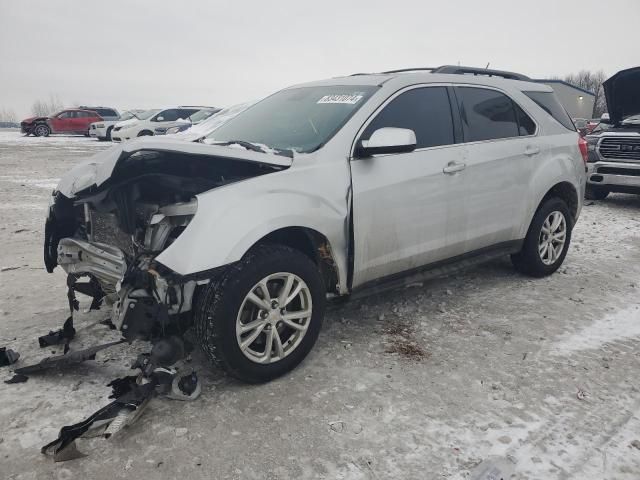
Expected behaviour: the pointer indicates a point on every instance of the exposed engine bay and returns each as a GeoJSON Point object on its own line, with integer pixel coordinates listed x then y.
{"type": "Point", "coordinates": [110, 235]}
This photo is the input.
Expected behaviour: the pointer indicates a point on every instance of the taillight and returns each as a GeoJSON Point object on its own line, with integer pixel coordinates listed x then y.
{"type": "Point", "coordinates": [583, 145]}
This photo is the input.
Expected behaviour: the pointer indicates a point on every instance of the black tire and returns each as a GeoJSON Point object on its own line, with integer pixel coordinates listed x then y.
{"type": "Point", "coordinates": [145, 133]}
{"type": "Point", "coordinates": [41, 130]}
{"type": "Point", "coordinates": [595, 193]}
{"type": "Point", "coordinates": [109, 134]}
{"type": "Point", "coordinates": [219, 305]}
{"type": "Point", "coordinates": [528, 260]}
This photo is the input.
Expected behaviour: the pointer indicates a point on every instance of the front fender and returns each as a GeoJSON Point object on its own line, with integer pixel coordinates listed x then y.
{"type": "Point", "coordinates": [231, 219]}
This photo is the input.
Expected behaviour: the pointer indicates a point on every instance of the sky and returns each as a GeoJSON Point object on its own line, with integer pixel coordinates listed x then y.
{"type": "Point", "coordinates": [146, 54]}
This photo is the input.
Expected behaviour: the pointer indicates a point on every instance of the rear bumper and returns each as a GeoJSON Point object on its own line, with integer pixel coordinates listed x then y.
{"type": "Point", "coordinates": [614, 176]}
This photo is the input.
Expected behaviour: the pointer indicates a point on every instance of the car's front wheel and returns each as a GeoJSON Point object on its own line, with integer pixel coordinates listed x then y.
{"type": "Point", "coordinates": [262, 316]}
{"type": "Point", "coordinates": [42, 130]}
{"type": "Point", "coordinates": [547, 240]}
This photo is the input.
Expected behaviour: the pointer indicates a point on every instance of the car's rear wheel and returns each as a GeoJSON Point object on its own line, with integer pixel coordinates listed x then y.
{"type": "Point", "coordinates": [547, 240]}
{"type": "Point", "coordinates": [261, 318]}
{"type": "Point", "coordinates": [42, 130]}
{"type": "Point", "coordinates": [595, 193]}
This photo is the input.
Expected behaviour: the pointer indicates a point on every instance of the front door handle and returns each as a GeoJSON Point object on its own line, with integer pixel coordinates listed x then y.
{"type": "Point", "coordinates": [531, 151]}
{"type": "Point", "coordinates": [453, 167]}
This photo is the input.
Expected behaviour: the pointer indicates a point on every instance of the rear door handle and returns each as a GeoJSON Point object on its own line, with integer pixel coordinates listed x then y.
{"type": "Point", "coordinates": [531, 151]}
{"type": "Point", "coordinates": [453, 167]}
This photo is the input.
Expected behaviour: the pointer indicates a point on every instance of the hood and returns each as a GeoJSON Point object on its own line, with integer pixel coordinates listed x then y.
{"type": "Point", "coordinates": [99, 168]}
{"type": "Point", "coordinates": [622, 92]}
{"type": "Point", "coordinates": [127, 123]}
{"type": "Point", "coordinates": [33, 119]}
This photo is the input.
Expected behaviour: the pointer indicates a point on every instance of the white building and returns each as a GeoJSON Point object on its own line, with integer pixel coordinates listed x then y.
{"type": "Point", "coordinates": [577, 101]}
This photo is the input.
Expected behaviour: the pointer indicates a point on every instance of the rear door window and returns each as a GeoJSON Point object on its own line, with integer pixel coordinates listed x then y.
{"type": "Point", "coordinates": [170, 115]}
{"type": "Point", "coordinates": [106, 112]}
{"type": "Point", "coordinates": [549, 102]}
{"type": "Point", "coordinates": [185, 113]}
{"type": "Point", "coordinates": [426, 111]}
{"type": "Point", "coordinates": [486, 114]}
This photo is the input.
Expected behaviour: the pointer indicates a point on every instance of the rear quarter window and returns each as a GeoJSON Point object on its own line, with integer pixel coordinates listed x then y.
{"type": "Point", "coordinates": [549, 103]}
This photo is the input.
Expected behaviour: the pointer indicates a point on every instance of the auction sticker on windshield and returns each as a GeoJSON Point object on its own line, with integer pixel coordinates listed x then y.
{"type": "Point", "coordinates": [348, 99]}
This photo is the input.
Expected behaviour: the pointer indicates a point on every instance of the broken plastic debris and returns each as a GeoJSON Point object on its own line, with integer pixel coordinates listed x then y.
{"type": "Point", "coordinates": [17, 378]}
{"type": "Point", "coordinates": [61, 361]}
{"type": "Point", "coordinates": [8, 357]}
{"type": "Point", "coordinates": [63, 335]}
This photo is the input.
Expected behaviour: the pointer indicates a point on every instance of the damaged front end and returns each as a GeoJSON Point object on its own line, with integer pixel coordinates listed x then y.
{"type": "Point", "coordinates": [107, 235]}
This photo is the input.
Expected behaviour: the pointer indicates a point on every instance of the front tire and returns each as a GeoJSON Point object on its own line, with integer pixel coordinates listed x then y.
{"type": "Point", "coordinates": [108, 139]}
{"type": "Point", "coordinates": [262, 316]}
{"type": "Point", "coordinates": [547, 240]}
{"type": "Point", "coordinates": [42, 130]}
{"type": "Point", "coordinates": [145, 133]}
{"type": "Point", "coordinates": [595, 193]}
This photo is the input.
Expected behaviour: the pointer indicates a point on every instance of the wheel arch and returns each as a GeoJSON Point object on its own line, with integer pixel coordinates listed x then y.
{"type": "Point", "coordinates": [311, 243]}
{"type": "Point", "coordinates": [567, 192]}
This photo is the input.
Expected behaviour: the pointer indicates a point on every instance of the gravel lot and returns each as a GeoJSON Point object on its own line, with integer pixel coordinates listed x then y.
{"type": "Point", "coordinates": [434, 381]}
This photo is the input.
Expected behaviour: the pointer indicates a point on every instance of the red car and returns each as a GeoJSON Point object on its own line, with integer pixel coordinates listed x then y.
{"type": "Point", "coordinates": [70, 121]}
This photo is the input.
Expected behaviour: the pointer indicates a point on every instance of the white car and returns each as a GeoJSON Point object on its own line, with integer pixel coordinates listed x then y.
{"type": "Point", "coordinates": [155, 124]}
{"type": "Point", "coordinates": [339, 187]}
{"type": "Point", "coordinates": [102, 130]}
{"type": "Point", "coordinates": [196, 131]}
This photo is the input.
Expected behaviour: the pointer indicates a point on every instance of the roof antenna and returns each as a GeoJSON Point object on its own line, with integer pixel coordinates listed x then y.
{"type": "Point", "coordinates": [487, 67]}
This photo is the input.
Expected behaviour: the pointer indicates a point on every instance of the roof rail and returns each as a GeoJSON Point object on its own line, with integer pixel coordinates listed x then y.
{"type": "Point", "coordinates": [401, 70]}
{"type": "Point", "coordinates": [456, 69]}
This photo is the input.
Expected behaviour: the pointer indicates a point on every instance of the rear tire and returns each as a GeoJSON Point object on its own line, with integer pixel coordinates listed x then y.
{"type": "Point", "coordinates": [42, 130]}
{"type": "Point", "coordinates": [595, 193]}
{"type": "Point", "coordinates": [546, 244]}
{"type": "Point", "coordinates": [234, 300]}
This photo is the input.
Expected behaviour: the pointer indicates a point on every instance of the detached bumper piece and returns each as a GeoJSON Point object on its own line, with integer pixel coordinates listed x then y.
{"type": "Point", "coordinates": [131, 394]}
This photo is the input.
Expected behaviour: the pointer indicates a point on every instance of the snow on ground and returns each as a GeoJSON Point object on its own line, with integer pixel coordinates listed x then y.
{"type": "Point", "coordinates": [493, 385]}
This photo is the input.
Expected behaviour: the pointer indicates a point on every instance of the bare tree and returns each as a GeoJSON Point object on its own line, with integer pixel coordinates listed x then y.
{"type": "Point", "coordinates": [591, 81]}
{"type": "Point", "coordinates": [8, 116]}
{"type": "Point", "coordinates": [42, 108]}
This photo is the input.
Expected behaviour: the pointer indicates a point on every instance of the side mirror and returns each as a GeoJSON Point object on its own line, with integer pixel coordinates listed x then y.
{"type": "Point", "coordinates": [160, 119]}
{"type": "Point", "coordinates": [605, 118]}
{"type": "Point", "coordinates": [387, 140]}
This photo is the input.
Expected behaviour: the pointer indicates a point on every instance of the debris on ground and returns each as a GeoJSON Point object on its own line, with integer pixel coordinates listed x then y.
{"type": "Point", "coordinates": [62, 335]}
{"type": "Point", "coordinates": [17, 378]}
{"type": "Point", "coordinates": [70, 358]}
{"type": "Point", "coordinates": [402, 343]}
{"type": "Point", "coordinates": [636, 444]}
{"type": "Point", "coordinates": [581, 394]}
{"type": "Point", "coordinates": [8, 357]}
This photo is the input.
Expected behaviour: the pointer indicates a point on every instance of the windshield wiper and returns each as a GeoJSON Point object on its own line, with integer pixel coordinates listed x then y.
{"type": "Point", "coordinates": [243, 143]}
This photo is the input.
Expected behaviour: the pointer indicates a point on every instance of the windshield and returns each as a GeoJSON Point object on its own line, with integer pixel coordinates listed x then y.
{"type": "Point", "coordinates": [147, 114]}
{"type": "Point", "coordinates": [300, 119]}
{"type": "Point", "coordinates": [202, 115]}
{"type": "Point", "coordinates": [127, 115]}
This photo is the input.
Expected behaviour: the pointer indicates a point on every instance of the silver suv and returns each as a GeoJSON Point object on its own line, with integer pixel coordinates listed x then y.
{"type": "Point", "coordinates": [329, 189]}
{"type": "Point", "coordinates": [615, 167]}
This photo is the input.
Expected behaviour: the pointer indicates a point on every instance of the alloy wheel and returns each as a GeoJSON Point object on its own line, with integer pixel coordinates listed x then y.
{"type": "Point", "coordinates": [552, 238]}
{"type": "Point", "coordinates": [274, 317]}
